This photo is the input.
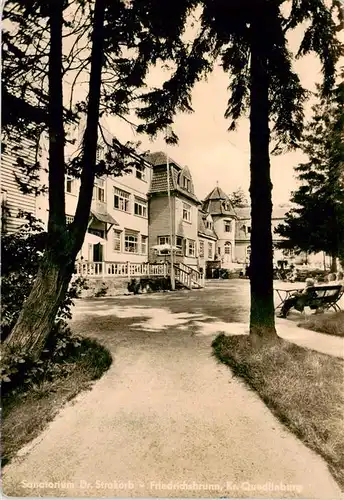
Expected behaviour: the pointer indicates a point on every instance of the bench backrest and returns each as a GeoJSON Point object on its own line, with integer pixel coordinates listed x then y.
{"type": "Point", "coordinates": [325, 294]}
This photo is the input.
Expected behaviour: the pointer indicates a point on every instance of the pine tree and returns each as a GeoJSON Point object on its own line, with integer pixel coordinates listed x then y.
{"type": "Point", "coordinates": [317, 221]}
{"type": "Point", "coordinates": [238, 198]}
{"type": "Point", "coordinates": [249, 38]}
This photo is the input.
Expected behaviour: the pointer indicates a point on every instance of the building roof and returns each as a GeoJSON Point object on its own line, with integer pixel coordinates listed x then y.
{"type": "Point", "coordinates": [202, 228]}
{"type": "Point", "coordinates": [104, 217]}
{"type": "Point", "coordinates": [278, 212]}
{"type": "Point", "coordinates": [217, 202]}
{"type": "Point", "coordinates": [159, 158]}
{"type": "Point", "coordinates": [177, 173]}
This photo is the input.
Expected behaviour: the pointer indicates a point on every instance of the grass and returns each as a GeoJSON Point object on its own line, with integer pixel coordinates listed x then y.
{"type": "Point", "coordinates": [303, 388]}
{"type": "Point", "coordinates": [26, 414]}
{"type": "Point", "coordinates": [332, 324]}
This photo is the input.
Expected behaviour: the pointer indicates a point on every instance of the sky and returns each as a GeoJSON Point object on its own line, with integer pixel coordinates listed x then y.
{"type": "Point", "coordinates": [211, 152]}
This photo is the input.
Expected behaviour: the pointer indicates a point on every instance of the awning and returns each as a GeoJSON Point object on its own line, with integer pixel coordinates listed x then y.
{"type": "Point", "coordinates": [104, 218]}
{"type": "Point", "coordinates": [95, 240]}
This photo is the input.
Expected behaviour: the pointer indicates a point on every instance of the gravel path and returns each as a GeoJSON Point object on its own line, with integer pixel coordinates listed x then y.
{"type": "Point", "coordinates": [165, 421]}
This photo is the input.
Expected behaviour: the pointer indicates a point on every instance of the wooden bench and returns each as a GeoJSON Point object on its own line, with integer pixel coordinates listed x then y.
{"type": "Point", "coordinates": [317, 297]}
{"type": "Point", "coordinates": [324, 297]}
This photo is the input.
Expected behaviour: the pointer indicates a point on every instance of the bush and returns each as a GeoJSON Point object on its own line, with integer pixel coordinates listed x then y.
{"type": "Point", "coordinates": [21, 373]}
{"type": "Point", "coordinates": [21, 257]}
{"type": "Point", "coordinates": [102, 291]}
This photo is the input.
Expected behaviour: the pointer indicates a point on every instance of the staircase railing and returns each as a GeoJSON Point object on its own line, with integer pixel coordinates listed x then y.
{"type": "Point", "coordinates": [196, 276]}
{"type": "Point", "coordinates": [182, 276]}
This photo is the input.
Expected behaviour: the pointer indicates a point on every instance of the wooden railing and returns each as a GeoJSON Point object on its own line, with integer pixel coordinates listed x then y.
{"type": "Point", "coordinates": [186, 275]}
{"type": "Point", "coordinates": [197, 277]}
{"type": "Point", "coordinates": [182, 276]}
{"type": "Point", "coordinates": [124, 269]}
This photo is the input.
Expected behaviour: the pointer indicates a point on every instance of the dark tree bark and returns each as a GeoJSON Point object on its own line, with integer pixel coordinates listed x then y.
{"type": "Point", "coordinates": [262, 316]}
{"type": "Point", "coordinates": [37, 317]}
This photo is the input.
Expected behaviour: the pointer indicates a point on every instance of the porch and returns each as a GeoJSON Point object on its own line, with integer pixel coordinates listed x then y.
{"type": "Point", "coordinates": [185, 275]}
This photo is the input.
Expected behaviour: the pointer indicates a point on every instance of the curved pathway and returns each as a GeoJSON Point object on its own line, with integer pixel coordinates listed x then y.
{"type": "Point", "coordinates": [165, 421]}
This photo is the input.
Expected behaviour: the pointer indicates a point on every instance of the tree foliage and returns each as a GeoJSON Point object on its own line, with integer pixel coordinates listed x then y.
{"type": "Point", "coordinates": [249, 39]}
{"type": "Point", "coordinates": [238, 198]}
{"type": "Point", "coordinates": [67, 62]}
{"type": "Point", "coordinates": [316, 223]}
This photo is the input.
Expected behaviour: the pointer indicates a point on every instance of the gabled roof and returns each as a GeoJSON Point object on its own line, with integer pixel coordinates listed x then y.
{"type": "Point", "coordinates": [202, 229]}
{"type": "Point", "coordinates": [159, 177]}
{"type": "Point", "coordinates": [217, 202]}
{"type": "Point", "coordinates": [159, 158]}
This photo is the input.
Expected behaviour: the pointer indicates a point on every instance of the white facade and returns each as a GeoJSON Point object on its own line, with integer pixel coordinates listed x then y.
{"type": "Point", "coordinates": [225, 245]}
{"type": "Point", "coordinates": [124, 199]}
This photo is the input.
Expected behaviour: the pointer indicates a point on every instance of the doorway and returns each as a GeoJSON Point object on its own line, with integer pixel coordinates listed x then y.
{"type": "Point", "coordinates": [98, 254]}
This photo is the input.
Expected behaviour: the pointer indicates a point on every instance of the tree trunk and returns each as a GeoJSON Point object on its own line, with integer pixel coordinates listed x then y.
{"type": "Point", "coordinates": [262, 314]}
{"type": "Point", "coordinates": [37, 317]}
{"type": "Point", "coordinates": [39, 311]}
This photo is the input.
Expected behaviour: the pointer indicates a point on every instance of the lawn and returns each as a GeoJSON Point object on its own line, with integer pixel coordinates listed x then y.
{"type": "Point", "coordinates": [330, 323]}
{"type": "Point", "coordinates": [303, 388]}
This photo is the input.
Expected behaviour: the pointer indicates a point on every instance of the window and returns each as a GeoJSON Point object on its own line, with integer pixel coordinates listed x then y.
{"type": "Point", "coordinates": [179, 242]}
{"type": "Point", "coordinates": [249, 229]}
{"type": "Point", "coordinates": [191, 248]}
{"type": "Point", "coordinates": [140, 172]}
{"type": "Point", "coordinates": [140, 207]}
{"type": "Point", "coordinates": [99, 190]}
{"type": "Point", "coordinates": [219, 250]}
{"type": "Point", "coordinates": [144, 240]}
{"type": "Point", "coordinates": [228, 248]}
{"type": "Point", "coordinates": [121, 200]}
{"type": "Point", "coordinates": [248, 251]}
{"type": "Point", "coordinates": [163, 240]}
{"type": "Point", "coordinates": [186, 183]}
{"type": "Point", "coordinates": [228, 226]}
{"type": "Point", "coordinates": [210, 250]}
{"type": "Point", "coordinates": [69, 184]}
{"type": "Point", "coordinates": [209, 225]}
{"type": "Point", "coordinates": [131, 242]}
{"type": "Point", "coordinates": [69, 219]}
{"type": "Point", "coordinates": [201, 248]}
{"type": "Point", "coordinates": [117, 240]}
{"type": "Point", "coordinates": [186, 212]}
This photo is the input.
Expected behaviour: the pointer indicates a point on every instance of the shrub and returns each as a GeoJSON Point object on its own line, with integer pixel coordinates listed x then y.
{"type": "Point", "coordinates": [21, 257]}
{"type": "Point", "coordinates": [21, 373]}
{"type": "Point", "coordinates": [102, 291]}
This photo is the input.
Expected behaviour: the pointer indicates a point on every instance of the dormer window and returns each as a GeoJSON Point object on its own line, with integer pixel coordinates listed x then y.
{"type": "Point", "coordinates": [186, 183]}
{"type": "Point", "coordinates": [140, 172]}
